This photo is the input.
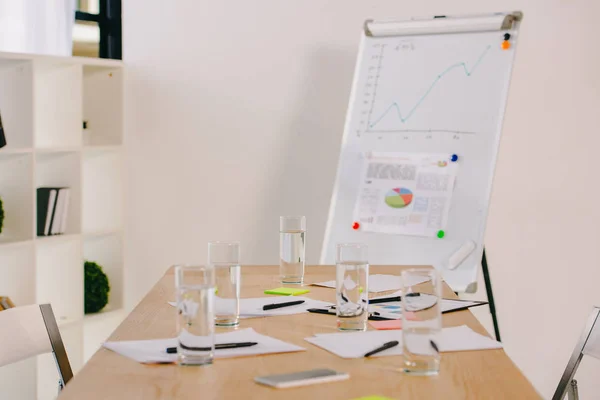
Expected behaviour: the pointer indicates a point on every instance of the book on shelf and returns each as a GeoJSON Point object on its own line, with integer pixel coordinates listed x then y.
{"type": "Point", "coordinates": [52, 210]}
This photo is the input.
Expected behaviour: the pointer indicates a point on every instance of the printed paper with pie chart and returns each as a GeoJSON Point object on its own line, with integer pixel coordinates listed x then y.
{"type": "Point", "coordinates": [407, 194]}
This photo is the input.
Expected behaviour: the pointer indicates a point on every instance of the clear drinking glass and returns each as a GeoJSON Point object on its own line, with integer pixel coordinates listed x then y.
{"type": "Point", "coordinates": [352, 286]}
{"type": "Point", "coordinates": [292, 236]}
{"type": "Point", "coordinates": [195, 289]}
{"type": "Point", "coordinates": [224, 257]}
{"type": "Point", "coordinates": [421, 321]}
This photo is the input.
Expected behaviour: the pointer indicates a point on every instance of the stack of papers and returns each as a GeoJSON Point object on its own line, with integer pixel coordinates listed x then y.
{"type": "Point", "coordinates": [380, 282]}
{"type": "Point", "coordinates": [252, 307]}
{"type": "Point", "coordinates": [357, 344]}
{"type": "Point", "coordinates": [154, 351]}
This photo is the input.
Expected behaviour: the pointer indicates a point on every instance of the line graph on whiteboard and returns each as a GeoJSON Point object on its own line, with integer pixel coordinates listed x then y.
{"type": "Point", "coordinates": [406, 86]}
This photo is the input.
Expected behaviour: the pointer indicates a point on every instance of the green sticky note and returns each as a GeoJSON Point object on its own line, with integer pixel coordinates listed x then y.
{"type": "Point", "coordinates": [284, 291]}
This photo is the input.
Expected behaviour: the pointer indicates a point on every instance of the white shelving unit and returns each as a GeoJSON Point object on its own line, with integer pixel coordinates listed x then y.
{"type": "Point", "coordinates": [43, 103]}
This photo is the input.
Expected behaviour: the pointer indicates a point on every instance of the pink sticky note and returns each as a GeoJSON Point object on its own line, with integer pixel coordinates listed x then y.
{"type": "Point", "coordinates": [386, 325]}
{"type": "Point", "coordinates": [392, 324]}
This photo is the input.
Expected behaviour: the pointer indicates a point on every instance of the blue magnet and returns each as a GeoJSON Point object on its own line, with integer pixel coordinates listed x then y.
{"type": "Point", "coordinates": [454, 158]}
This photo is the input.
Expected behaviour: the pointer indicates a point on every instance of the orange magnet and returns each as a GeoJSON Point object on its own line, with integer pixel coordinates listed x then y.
{"type": "Point", "coordinates": [505, 45]}
{"type": "Point", "coordinates": [355, 225]}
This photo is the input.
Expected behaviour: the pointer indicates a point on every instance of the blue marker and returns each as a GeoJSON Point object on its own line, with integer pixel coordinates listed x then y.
{"type": "Point", "coordinates": [454, 158]}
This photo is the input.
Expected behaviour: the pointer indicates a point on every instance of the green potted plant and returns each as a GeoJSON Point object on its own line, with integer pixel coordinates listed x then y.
{"type": "Point", "coordinates": [96, 286]}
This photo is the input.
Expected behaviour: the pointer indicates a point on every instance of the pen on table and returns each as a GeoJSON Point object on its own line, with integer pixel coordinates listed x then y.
{"type": "Point", "coordinates": [220, 346]}
{"type": "Point", "coordinates": [385, 299]}
{"type": "Point", "coordinates": [393, 298]}
{"type": "Point", "coordinates": [385, 346]}
{"type": "Point", "coordinates": [281, 305]}
{"type": "Point", "coordinates": [321, 311]}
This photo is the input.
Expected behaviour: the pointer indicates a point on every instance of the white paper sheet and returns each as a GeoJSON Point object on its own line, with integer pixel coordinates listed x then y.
{"type": "Point", "coordinates": [357, 344]}
{"type": "Point", "coordinates": [252, 307]}
{"type": "Point", "coordinates": [154, 351]}
{"type": "Point", "coordinates": [407, 194]}
{"type": "Point", "coordinates": [381, 282]}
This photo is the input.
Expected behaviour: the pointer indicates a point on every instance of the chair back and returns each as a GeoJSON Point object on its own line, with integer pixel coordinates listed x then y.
{"type": "Point", "coordinates": [29, 331]}
{"type": "Point", "coordinates": [589, 344]}
{"type": "Point", "coordinates": [23, 334]}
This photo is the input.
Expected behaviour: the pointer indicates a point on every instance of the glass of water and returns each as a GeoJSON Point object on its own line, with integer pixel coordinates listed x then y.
{"type": "Point", "coordinates": [421, 321]}
{"type": "Point", "coordinates": [195, 289]}
{"type": "Point", "coordinates": [352, 286]}
{"type": "Point", "coordinates": [292, 236]}
{"type": "Point", "coordinates": [224, 258]}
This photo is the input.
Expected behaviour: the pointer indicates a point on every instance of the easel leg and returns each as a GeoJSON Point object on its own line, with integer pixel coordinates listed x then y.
{"type": "Point", "coordinates": [490, 294]}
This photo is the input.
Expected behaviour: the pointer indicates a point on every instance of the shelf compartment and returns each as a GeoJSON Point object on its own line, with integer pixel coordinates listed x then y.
{"type": "Point", "coordinates": [107, 251]}
{"type": "Point", "coordinates": [59, 277]}
{"type": "Point", "coordinates": [62, 170]}
{"type": "Point", "coordinates": [16, 191]}
{"type": "Point", "coordinates": [57, 105]}
{"type": "Point", "coordinates": [17, 272]}
{"type": "Point", "coordinates": [102, 192]}
{"type": "Point", "coordinates": [103, 107]}
{"type": "Point", "coordinates": [16, 103]}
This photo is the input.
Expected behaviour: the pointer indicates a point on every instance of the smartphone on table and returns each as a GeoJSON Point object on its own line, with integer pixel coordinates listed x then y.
{"type": "Point", "coordinates": [302, 378]}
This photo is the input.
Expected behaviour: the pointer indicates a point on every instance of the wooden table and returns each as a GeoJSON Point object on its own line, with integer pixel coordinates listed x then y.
{"type": "Point", "coordinates": [486, 374]}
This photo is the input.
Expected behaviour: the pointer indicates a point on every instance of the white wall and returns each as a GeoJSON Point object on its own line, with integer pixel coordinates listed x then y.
{"type": "Point", "coordinates": [235, 112]}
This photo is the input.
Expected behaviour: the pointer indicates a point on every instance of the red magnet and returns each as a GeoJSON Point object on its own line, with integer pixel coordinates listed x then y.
{"type": "Point", "coordinates": [355, 225]}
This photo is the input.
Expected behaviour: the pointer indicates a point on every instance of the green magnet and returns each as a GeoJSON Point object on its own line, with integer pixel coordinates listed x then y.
{"type": "Point", "coordinates": [441, 234]}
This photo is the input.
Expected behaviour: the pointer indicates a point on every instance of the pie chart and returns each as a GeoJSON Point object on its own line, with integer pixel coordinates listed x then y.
{"type": "Point", "coordinates": [398, 197]}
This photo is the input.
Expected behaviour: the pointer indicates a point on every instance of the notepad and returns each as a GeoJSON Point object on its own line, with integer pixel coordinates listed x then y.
{"type": "Point", "coordinates": [282, 291]}
{"type": "Point", "coordinates": [356, 344]}
{"type": "Point", "coordinates": [154, 351]}
{"type": "Point", "coordinates": [253, 307]}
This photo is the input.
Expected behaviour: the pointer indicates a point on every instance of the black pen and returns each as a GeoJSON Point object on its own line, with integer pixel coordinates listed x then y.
{"type": "Point", "coordinates": [322, 311]}
{"type": "Point", "coordinates": [395, 298]}
{"type": "Point", "coordinates": [385, 299]}
{"type": "Point", "coordinates": [386, 346]}
{"type": "Point", "coordinates": [220, 346]}
{"type": "Point", "coordinates": [281, 305]}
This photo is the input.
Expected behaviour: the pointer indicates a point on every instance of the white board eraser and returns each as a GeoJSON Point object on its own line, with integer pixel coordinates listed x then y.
{"type": "Point", "coordinates": [461, 254]}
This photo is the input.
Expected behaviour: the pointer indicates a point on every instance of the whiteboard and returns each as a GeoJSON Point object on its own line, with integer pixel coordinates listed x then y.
{"type": "Point", "coordinates": [427, 86]}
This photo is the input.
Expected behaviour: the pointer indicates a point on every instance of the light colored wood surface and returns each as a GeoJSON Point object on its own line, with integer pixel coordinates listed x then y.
{"type": "Point", "coordinates": [486, 374]}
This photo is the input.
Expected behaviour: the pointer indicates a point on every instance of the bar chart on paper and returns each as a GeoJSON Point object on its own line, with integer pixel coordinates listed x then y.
{"type": "Point", "coordinates": [427, 85]}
